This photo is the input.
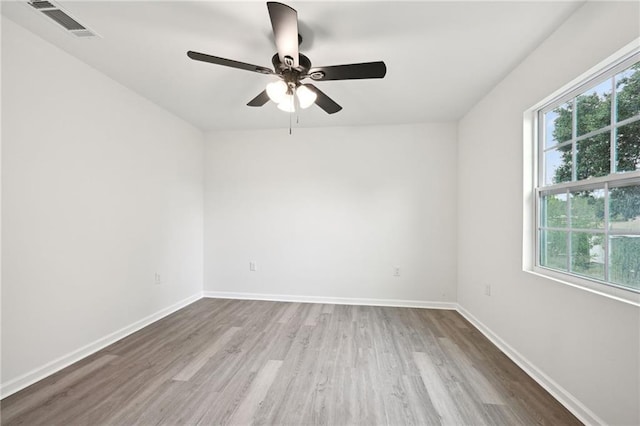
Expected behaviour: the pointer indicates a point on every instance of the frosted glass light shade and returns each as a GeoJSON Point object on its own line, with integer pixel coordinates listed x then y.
{"type": "Point", "coordinates": [277, 91]}
{"type": "Point", "coordinates": [306, 96]}
{"type": "Point", "coordinates": [287, 104]}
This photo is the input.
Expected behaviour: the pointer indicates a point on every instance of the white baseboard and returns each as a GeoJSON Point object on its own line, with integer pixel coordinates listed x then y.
{"type": "Point", "coordinates": [331, 300]}
{"type": "Point", "coordinates": [56, 365]}
{"type": "Point", "coordinates": [570, 402]}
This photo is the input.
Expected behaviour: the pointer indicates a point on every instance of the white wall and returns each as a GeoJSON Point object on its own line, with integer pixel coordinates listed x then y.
{"type": "Point", "coordinates": [329, 212]}
{"type": "Point", "coordinates": [101, 189]}
{"type": "Point", "coordinates": [589, 345]}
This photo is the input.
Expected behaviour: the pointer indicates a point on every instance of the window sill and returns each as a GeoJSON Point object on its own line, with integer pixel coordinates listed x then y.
{"type": "Point", "coordinates": [615, 293]}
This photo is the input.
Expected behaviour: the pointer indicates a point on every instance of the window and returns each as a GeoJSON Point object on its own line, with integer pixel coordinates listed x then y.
{"type": "Point", "coordinates": [588, 183]}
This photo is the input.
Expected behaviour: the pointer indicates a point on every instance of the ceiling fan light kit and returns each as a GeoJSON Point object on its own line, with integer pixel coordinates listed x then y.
{"type": "Point", "coordinates": [291, 67]}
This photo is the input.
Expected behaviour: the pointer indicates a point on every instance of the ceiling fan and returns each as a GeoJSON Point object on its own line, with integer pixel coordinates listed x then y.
{"type": "Point", "coordinates": [291, 67]}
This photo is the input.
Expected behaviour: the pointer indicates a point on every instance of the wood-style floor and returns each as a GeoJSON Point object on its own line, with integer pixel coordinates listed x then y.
{"type": "Point", "coordinates": [272, 363]}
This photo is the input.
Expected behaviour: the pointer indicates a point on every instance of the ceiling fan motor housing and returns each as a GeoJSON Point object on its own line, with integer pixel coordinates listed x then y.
{"type": "Point", "coordinates": [290, 75]}
{"type": "Point", "coordinates": [303, 61]}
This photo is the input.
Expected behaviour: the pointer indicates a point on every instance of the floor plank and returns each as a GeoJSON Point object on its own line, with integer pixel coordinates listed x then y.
{"type": "Point", "coordinates": [274, 363]}
{"type": "Point", "coordinates": [201, 359]}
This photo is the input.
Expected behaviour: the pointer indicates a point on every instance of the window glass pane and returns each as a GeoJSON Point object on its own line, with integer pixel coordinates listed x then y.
{"type": "Point", "coordinates": [557, 125]}
{"type": "Point", "coordinates": [628, 147]}
{"type": "Point", "coordinates": [554, 211]}
{"type": "Point", "coordinates": [624, 260]}
{"type": "Point", "coordinates": [553, 249]}
{"type": "Point", "coordinates": [557, 165]}
{"type": "Point", "coordinates": [594, 108]}
{"type": "Point", "coordinates": [593, 156]}
{"type": "Point", "coordinates": [624, 208]}
{"type": "Point", "coordinates": [587, 209]}
{"type": "Point", "coordinates": [587, 254]}
{"type": "Point", "coordinates": [628, 92]}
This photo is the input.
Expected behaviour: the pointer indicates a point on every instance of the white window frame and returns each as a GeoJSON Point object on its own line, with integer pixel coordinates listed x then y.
{"type": "Point", "coordinates": [534, 179]}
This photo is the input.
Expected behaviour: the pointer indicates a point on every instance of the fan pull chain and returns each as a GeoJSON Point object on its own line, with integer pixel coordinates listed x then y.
{"type": "Point", "coordinates": [290, 114]}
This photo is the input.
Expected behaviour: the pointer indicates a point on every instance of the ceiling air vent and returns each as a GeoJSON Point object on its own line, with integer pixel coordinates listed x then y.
{"type": "Point", "coordinates": [42, 5]}
{"type": "Point", "coordinates": [63, 19]}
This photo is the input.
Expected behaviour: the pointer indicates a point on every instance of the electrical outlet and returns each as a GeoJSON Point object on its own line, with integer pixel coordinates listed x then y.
{"type": "Point", "coordinates": [158, 279]}
{"type": "Point", "coordinates": [487, 290]}
{"type": "Point", "coordinates": [253, 267]}
{"type": "Point", "coordinates": [396, 271]}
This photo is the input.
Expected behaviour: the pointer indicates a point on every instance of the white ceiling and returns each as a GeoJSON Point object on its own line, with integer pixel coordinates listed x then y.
{"type": "Point", "coordinates": [441, 57]}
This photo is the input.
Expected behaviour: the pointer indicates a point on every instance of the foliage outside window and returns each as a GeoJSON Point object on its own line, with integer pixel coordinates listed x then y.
{"type": "Point", "coordinates": [588, 193]}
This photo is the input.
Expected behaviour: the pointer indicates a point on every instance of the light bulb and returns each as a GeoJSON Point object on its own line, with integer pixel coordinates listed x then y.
{"type": "Point", "coordinates": [306, 96]}
{"type": "Point", "coordinates": [287, 104]}
{"type": "Point", "coordinates": [277, 91]}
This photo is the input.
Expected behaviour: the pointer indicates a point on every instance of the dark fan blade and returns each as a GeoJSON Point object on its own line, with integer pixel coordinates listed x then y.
{"type": "Point", "coordinates": [284, 21]}
{"type": "Point", "coordinates": [259, 100]}
{"type": "Point", "coordinates": [228, 62]}
{"type": "Point", "coordinates": [349, 72]}
{"type": "Point", "coordinates": [323, 101]}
